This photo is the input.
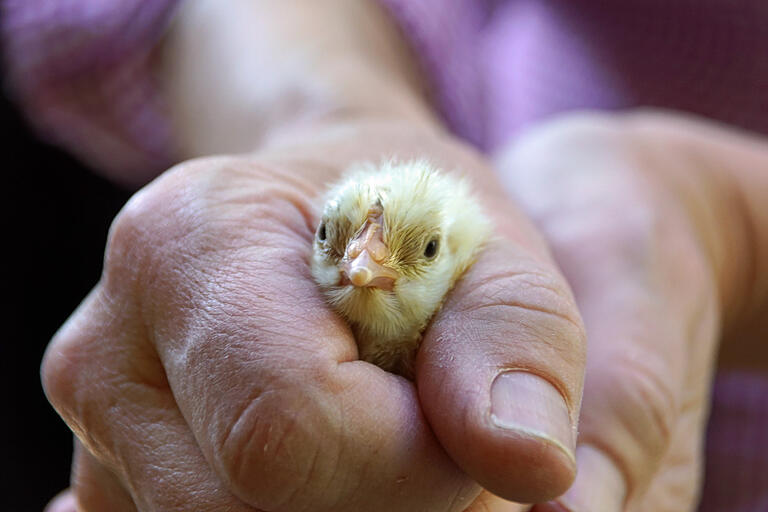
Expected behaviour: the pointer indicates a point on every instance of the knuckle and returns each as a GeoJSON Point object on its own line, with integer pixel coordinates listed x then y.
{"type": "Point", "coordinates": [583, 135]}
{"type": "Point", "coordinates": [645, 406]}
{"type": "Point", "coordinates": [58, 375]}
{"type": "Point", "coordinates": [579, 127]}
{"type": "Point", "coordinates": [155, 216]}
{"type": "Point", "coordinates": [68, 360]}
{"type": "Point", "coordinates": [72, 385]}
{"type": "Point", "coordinates": [128, 241]}
{"type": "Point", "coordinates": [655, 404]}
{"type": "Point", "coordinates": [276, 453]}
{"type": "Point", "coordinates": [84, 367]}
{"type": "Point", "coordinates": [591, 154]}
{"type": "Point", "coordinates": [201, 208]}
{"type": "Point", "coordinates": [96, 487]}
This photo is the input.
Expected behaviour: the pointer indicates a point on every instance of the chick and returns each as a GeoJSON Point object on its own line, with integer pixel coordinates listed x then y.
{"type": "Point", "coordinates": [392, 241]}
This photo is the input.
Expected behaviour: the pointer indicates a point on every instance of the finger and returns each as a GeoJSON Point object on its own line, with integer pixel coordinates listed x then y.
{"type": "Point", "coordinates": [647, 299]}
{"type": "Point", "coordinates": [109, 388]}
{"type": "Point", "coordinates": [676, 485]}
{"type": "Point", "coordinates": [599, 485]}
{"type": "Point", "coordinates": [263, 372]}
{"type": "Point", "coordinates": [640, 382]}
{"type": "Point", "coordinates": [96, 488]}
{"type": "Point", "coordinates": [500, 374]}
{"type": "Point", "coordinates": [62, 502]}
{"type": "Point", "coordinates": [648, 374]}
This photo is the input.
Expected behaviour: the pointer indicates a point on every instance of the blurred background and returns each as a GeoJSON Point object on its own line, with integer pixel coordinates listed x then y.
{"type": "Point", "coordinates": [57, 213]}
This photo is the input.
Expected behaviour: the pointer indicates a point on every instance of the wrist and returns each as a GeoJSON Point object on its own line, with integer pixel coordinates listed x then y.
{"type": "Point", "coordinates": [238, 74]}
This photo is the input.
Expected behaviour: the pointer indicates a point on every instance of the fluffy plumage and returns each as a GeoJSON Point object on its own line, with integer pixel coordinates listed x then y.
{"type": "Point", "coordinates": [421, 229]}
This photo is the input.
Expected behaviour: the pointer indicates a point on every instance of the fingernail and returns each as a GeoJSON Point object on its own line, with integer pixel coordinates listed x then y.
{"type": "Point", "coordinates": [599, 485]}
{"type": "Point", "coordinates": [532, 407]}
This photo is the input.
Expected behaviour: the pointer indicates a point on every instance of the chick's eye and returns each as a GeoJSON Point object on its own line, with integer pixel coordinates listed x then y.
{"type": "Point", "coordinates": [321, 232]}
{"type": "Point", "coordinates": [430, 250]}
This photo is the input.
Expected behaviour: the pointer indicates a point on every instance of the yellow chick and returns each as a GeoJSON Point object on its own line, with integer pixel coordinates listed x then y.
{"type": "Point", "coordinates": [392, 241]}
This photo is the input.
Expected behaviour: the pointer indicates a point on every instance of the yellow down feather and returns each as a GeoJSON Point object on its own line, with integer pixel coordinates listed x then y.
{"type": "Point", "coordinates": [419, 204]}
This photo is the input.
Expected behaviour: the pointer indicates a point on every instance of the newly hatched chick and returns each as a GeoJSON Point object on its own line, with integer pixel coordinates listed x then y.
{"type": "Point", "coordinates": [392, 241]}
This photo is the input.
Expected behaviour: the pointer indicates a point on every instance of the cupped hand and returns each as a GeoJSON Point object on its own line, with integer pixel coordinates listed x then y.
{"type": "Point", "coordinates": [205, 372]}
{"type": "Point", "coordinates": [656, 222]}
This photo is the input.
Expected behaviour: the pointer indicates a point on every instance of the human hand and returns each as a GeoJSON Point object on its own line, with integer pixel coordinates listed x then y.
{"type": "Point", "coordinates": [205, 372]}
{"type": "Point", "coordinates": [660, 225]}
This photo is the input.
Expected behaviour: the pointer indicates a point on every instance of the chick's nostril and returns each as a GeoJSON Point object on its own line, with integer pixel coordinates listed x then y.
{"type": "Point", "coordinates": [378, 250]}
{"type": "Point", "coordinates": [353, 250]}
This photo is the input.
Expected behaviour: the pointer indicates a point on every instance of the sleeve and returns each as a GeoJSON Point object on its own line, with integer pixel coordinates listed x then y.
{"type": "Point", "coordinates": [82, 73]}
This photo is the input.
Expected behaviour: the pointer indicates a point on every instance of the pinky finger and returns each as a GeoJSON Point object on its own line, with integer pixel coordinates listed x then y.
{"type": "Point", "coordinates": [94, 487]}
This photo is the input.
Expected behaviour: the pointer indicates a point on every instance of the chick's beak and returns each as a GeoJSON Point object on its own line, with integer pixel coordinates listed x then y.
{"type": "Point", "coordinates": [361, 264]}
{"type": "Point", "coordinates": [364, 271]}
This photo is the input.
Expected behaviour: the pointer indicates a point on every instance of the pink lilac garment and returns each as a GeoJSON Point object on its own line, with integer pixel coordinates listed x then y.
{"type": "Point", "coordinates": [81, 70]}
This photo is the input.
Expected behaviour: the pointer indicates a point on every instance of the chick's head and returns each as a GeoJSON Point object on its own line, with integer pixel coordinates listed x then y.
{"type": "Point", "coordinates": [391, 242]}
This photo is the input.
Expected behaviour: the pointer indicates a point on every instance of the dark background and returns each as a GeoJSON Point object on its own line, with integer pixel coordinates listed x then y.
{"type": "Point", "coordinates": [57, 214]}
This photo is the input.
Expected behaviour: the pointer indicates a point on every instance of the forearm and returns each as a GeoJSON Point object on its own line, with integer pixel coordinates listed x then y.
{"type": "Point", "coordinates": [239, 74]}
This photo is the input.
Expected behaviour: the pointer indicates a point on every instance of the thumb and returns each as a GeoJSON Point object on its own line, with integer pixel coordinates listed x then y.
{"type": "Point", "coordinates": [500, 372]}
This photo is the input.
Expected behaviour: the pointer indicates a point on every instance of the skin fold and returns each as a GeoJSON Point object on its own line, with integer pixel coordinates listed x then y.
{"type": "Point", "coordinates": [205, 371]}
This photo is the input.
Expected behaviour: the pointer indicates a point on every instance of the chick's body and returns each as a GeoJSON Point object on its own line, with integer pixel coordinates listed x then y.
{"type": "Point", "coordinates": [392, 241]}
